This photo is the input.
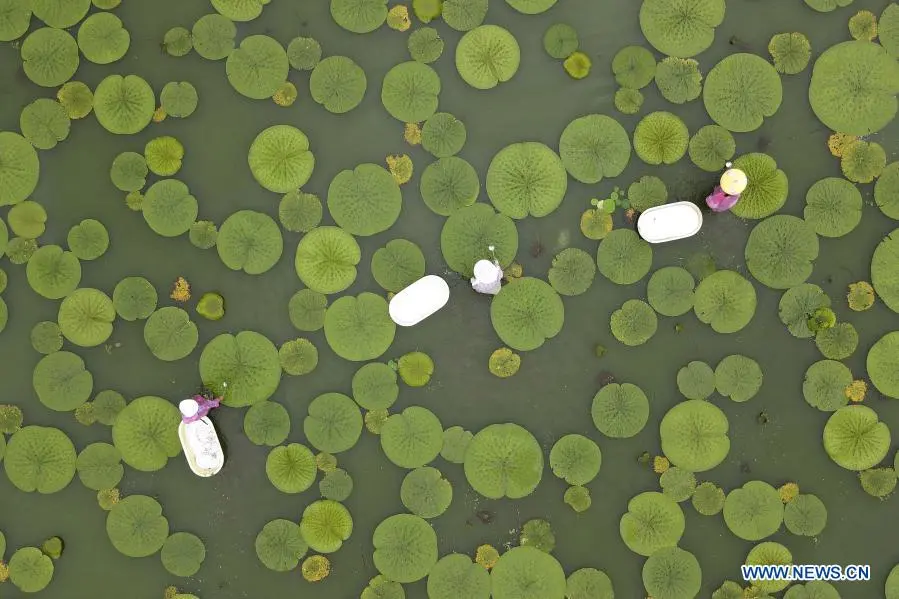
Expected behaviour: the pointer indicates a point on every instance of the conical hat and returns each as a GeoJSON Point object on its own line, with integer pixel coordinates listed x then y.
{"type": "Point", "coordinates": [733, 181]}
{"type": "Point", "coordinates": [485, 270]}
{"type": "Point", "coordinates": [189, 407]}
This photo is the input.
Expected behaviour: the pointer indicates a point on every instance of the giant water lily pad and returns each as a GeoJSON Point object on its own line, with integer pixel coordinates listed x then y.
{"type": "Point", "coordinates": [883, 364]}
{"type": "Point", "coordinates": [169, 208]}
{"type": "Point", "coordinates": [52, 272]}
{"type": "Point", "coordinates": [359, 16]}
{"type": "Point", "coordinates": [365, 200]}
{"type": "Point", "coordinates": [681, 28]}
{"type": "Point", "coordinates": [359, 328]}
{"type": "Point", "coordinates": [486, 56]}
{"type": "Point", "coordinates": [468, 234]}
{"type": "Point", "coordinates": [124, 105]}
{"type": "Point", "coordinates": [725, 301]}
{"type": "Point", "coordinates": [280, 159]}
{"type": "Point", "coordinates": [19, 168]}
{"type": "Point", "coordinates": [504, 460]}
{"type": "Point", "coordinates": [244, 367]}
{"type": "Point", "coordinates": [527, 573]}
{"type": "Point", "coordinates": [146, 433]}
{"type": "Point", "coordinates": [136, 526]}
{"type": "Point", "coordinates": [170, 334]}
{"type": "Point", "coordinates": [326, 259]}
{"type": "Point", "coordinates": [781, 251]}
{"type": "Point", "coordinates": [449, 184]}
{"type": "Point", "coordinates": [653, 521]}
{"type": "Point", "coordinates": [694, 435]}
{"type": "Point", "coordinates": [338, 84]}
{"type": "Point", "coordinates": [885, 270]}
{"type": "Point", "coordinates": [409, 92]}
{"type": "Point", "coordinates": [741, 91]}
{"type": "Point", "coordinates": [527, 313]}
{"type": "Point", "coordinates": [250, 241]}
{"type": "Point", "coordinates": [623, 257]}
{"type": "Point", "coordinates": [526, 178]}
{"type": "Point", "coordinates": [62, 382]}
{"type": "Point", "coordinates": [85, 317]}
{"type": "Point", "coordinates": [49, 56]}
{"type": "Point", "coordinates": [258, 67]}
{"type": "Point", "coordinates": [30, 570]}
{"type": "Point", "coordinates": [405, 548]}
{"type": "Point", "coordinates": [593, 147]}
{"type": "Point", "coordinates": [412, 438]}
{"type": "Point", "coordinates": [40, 459]}
{"type": "Point", "coordinates": [334, 423]}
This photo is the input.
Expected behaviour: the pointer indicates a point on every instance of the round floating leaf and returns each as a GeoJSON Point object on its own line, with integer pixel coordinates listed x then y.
{"type": "Point", "coordinates": [409, 92]}
{"type": "Point", "coordinates": [183, 554]}
{"type": "Point", "coordinates": [169, 208]}
{"type": "Point", "coordinates": [129, 171]}
{"type": "Point", "coordinates": [298, 357]}
{"type": "Point", "coordinates": [740, 91]}
{"type": "Point", "coordinates": [280, 546]}
{"type": "Point", "coordinates": [177, 42]}
{"type": "Point", "coordinates": [696, 380]}
{"type": "Point", "coordinates": [374, 386]}
{"type": "Point", "coordinates": [300, 212]}
{"type": "Point", "coordinates": [326, 259]}
{"type": "Point", "coordinates": [738, 378]}
{"type": "Point", "coordinates": [526, 313]}
{"type": "Point", "coordinates": [61, 381]}
{"type": "Point", "coordinates": [136, 526]}
{"type": "Point", "coordinates": [593, 147]}
{"type": "Point", "coordinates": [179, 99]}
{"type": "Point", "coordinates": [213, 36]}
{"type": "Point", "coordinates": [100, 466]}
{"type": "Point", "coordinates": [825, 385]}
{"type": "Point", "coordinates": [19, 169]}
{"type": "Point", "coordinates": [103, 39]}
{"type": "Point", "coordinates": [527, 573]}
{"type": "Point", "coordinates": [634, 323]}
{"type": "Point", "coordinates": [267, 423]}
{"type": "Point", "coordinates": [365, 201]}
{"type": "Point", "coordinates": [671, 573]}
{"type": "Point", "coordinates": [661, 138]}
{"type": "Point", "coordinates": [504, 460]}
{"type": "Point", "coordinates": [884, 270]}
{"type": "Point", "coordinates": [124, 105]}
{"type": "Point", "coordinates": [359, 328]}
{"type": "Point", "coordinates": [853, 87]}
{"type": "Point", "coordinates": [464, 15]}
{"type": "Point", "coordinates": [326, 525]}
{"type": "Point", "coordinates": [27, 219]}
{"type": "Point", "coordinates": [291, 468]}
{"type": "Point", "coordinates": [634, 67]}
{"type": "Point", "coordinates": [781, 251]}
{"type": "Point", "coordinates": [280, 159]}
{"type": "Point", "coordinates": [806, 515]}
{"type": "Point", "coordinates": [711, 147]}
{"type": "Point", "coordinates": [754, 511]}
{"type": "Point", "coordinates": [16, 19]}
{"type": "Point", "coordinates": [107, 405]}
{"type": "Point", "coordinates": [833, 207]}
{"type": "Point", "coordinates": [708, 499]}
{"type": "Point", "coordinates": [670, 291]}
{"type": "Point", "coordinates": [862, 161]}
{"type": "Point", "coordinates": [258, 67]}
{"type": "Point", "coordinates": [334, 423]}
{"type": "Point", "coordinates": [623, 257]}
{"type": "Point", "coordinates": [19, 250]}
{"type": "Point", "coordinates": [412, 438]}
{"type": "Point", "coordinates": [886, 189]}
{"type": "Point", "coordinates": [304, 53]}
{"type": "Point", "coordinates": [249, 241]}
{"type": "Point", "coordinates": [44, 123]}
{"type": "Point", "coordinates": [678, 484]}
{"type": "Point", "coordinates": [725, 301]}
{"type": "Point", "coordinates": [336, 485]}
{"type": "Point", "coordinates": [855, 439]}
{"type": "Point", "coordinates": [338, 84]}
{"type": "Point", "coordinates": [52, 272]}
{"type": "Point", "coordinates": [679, 79]}
{"type": "Point", "coordinates": [146, 433]}
{"type": "Point", "coordinates": [526, 178]}
{"type": "Point", "coordinates": [46, 337]}
{"type": "Point", "coordinates": [487, 55]}
{"type": "Point", "coordinates": [575, 459]}
{"type": "Point", "coordinates": [561, 41]}
{"type": "Point", "coordinates": [620, 410]}
{"type": "Point", "coordinates": [646, 192]}
{"type": "Point", "coordinates": [531, 7]}
{"type": "Point", "coordinates": [397, 265]}
{"type": "Point", "coordinates": [307, 310]}
{"type": "Point", "coordinates": [30, 570]}
{"type": "Point", "coordinates": [164, 155]}
{"type": "Point", "coordinates": [455, 443]}
{"type": "Point", "coordinates": [248, 362]}
{"type": "Point", "coordinates": [652, 522]}
{"type": "Point", "coordinates": [838, 342]}
{"type": "Point", "coordinates": [694, 435]}
{"type": "Point", "coordinates": [134, 298]}
{"type": "Point", "coordinates": [359, 16]}
{"type": "Point", "coordinates": [443, 135]}
{"type": "Point", "coordinates": [40, 459]}
{"type": "Point", "coordinates": [203, 234]}
{"type": "Point", "coordinates": [572, 271]}
{"type": "Point", "coordinates": [455, 575]}
{"type": "Point", "coordinates": [790, 51]}
{"type": "Point", "coordinates": [405, 548]}
{"type": "Point", "coordinates": [449, 184]}
{"type": "Point", "coordinates": [426, 493]}
{"type": "Point", "coordinates": [239, 10]}
{"type": "Point", "coordinates": [881, 364]}
{"type": "Point", "coordinates": [85, 317]}
{"type": "Point", "coordinates": [49, 56]}
{"type": "Point", "coordinates": [170, 334]}
{"type": "Point", "coordinates": [88, 240]}
{"type": "Point", "coordinates": [680, 28]}
{"type": "Point", "coordinates": [797, 303]}
{"type": "Point", "coordinates": [628, 101]}
{"type": "Point", "coordinates": [61, 14]}
{"type": "Point", "coordinates": [469, 232]}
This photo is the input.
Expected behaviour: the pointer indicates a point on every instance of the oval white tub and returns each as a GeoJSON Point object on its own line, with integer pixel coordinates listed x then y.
{"type": "Point", "coordinates": [419, 300]}
{"type": "Point", "coordinates": [190, 455]}
{"type": "Point", "coordinates": [669, 222]}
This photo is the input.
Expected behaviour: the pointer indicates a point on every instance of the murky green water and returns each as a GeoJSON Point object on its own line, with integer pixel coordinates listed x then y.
{"type": "Point", "coordinates": [551, 394]}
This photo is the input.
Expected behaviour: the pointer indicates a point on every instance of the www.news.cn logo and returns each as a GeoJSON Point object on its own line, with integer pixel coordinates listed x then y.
{"type": "Point", "coordinates": [807, 573]}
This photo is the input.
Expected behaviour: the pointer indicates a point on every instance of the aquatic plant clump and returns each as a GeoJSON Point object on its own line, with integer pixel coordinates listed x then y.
{"type": "Point", "coordinates": [741, 91]}
{"type": "Point", "coordinates": [527, 313]}
{"type": "Point", "coordinates": [594, 146]}
{"type": "Point", "coordinates": [504, 460]}
{"type": "Point", "coordinates": [486, 56]}
{"type": "Point", "coordinates": [854, 86]}
{"type": "Point", "coordinates": [527, 573]}
{"type": "Point", "coordinates": [694, 435]}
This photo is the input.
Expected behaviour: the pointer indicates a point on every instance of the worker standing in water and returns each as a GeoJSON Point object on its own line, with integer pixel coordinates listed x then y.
{"type": "Point", "coordinates": [488, 275]}
{"type": "Point", "coordinates": [727, 193]}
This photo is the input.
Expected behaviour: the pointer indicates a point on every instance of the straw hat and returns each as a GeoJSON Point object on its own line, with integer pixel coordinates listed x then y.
{"type": "Point", "coordinates": [733, 181]}
{"type": "Point", "coordinates": [485, 270]}
{"type": "Point", "coordinates": [189, 407]}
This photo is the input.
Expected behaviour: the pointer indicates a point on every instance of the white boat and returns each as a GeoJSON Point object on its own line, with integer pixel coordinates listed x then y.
{"type": "Point", "coordinates": [419, 300]}
{"type": "Point", "coordinates": [202, 447]}
{"type": "Point", "coordinates": [669, 222]}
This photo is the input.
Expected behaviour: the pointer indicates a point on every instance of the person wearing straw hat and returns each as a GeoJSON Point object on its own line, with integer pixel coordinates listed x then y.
{"type": "Point", "coordinates": [488, 275]}
{"type": "Point", "coordinates": [726, 194]}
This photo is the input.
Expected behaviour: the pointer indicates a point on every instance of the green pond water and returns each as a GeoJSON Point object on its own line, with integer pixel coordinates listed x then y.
{"type": "Point", "coordinates": [552, 393]}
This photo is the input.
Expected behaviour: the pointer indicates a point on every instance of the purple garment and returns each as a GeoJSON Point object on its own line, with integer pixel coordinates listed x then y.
{"type": "Point", "coordinates": [206, 405]}
{"type": "Point", "coordinates": [719, 201]}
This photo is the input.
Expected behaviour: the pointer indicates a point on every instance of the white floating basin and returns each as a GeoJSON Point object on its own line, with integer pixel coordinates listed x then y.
{"type": "Point", "coordinates": [419, 300]}
{"type": "Point", "coordinates": [201, 437]}
{"type": "Point", "coordinates": [669, 222]}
